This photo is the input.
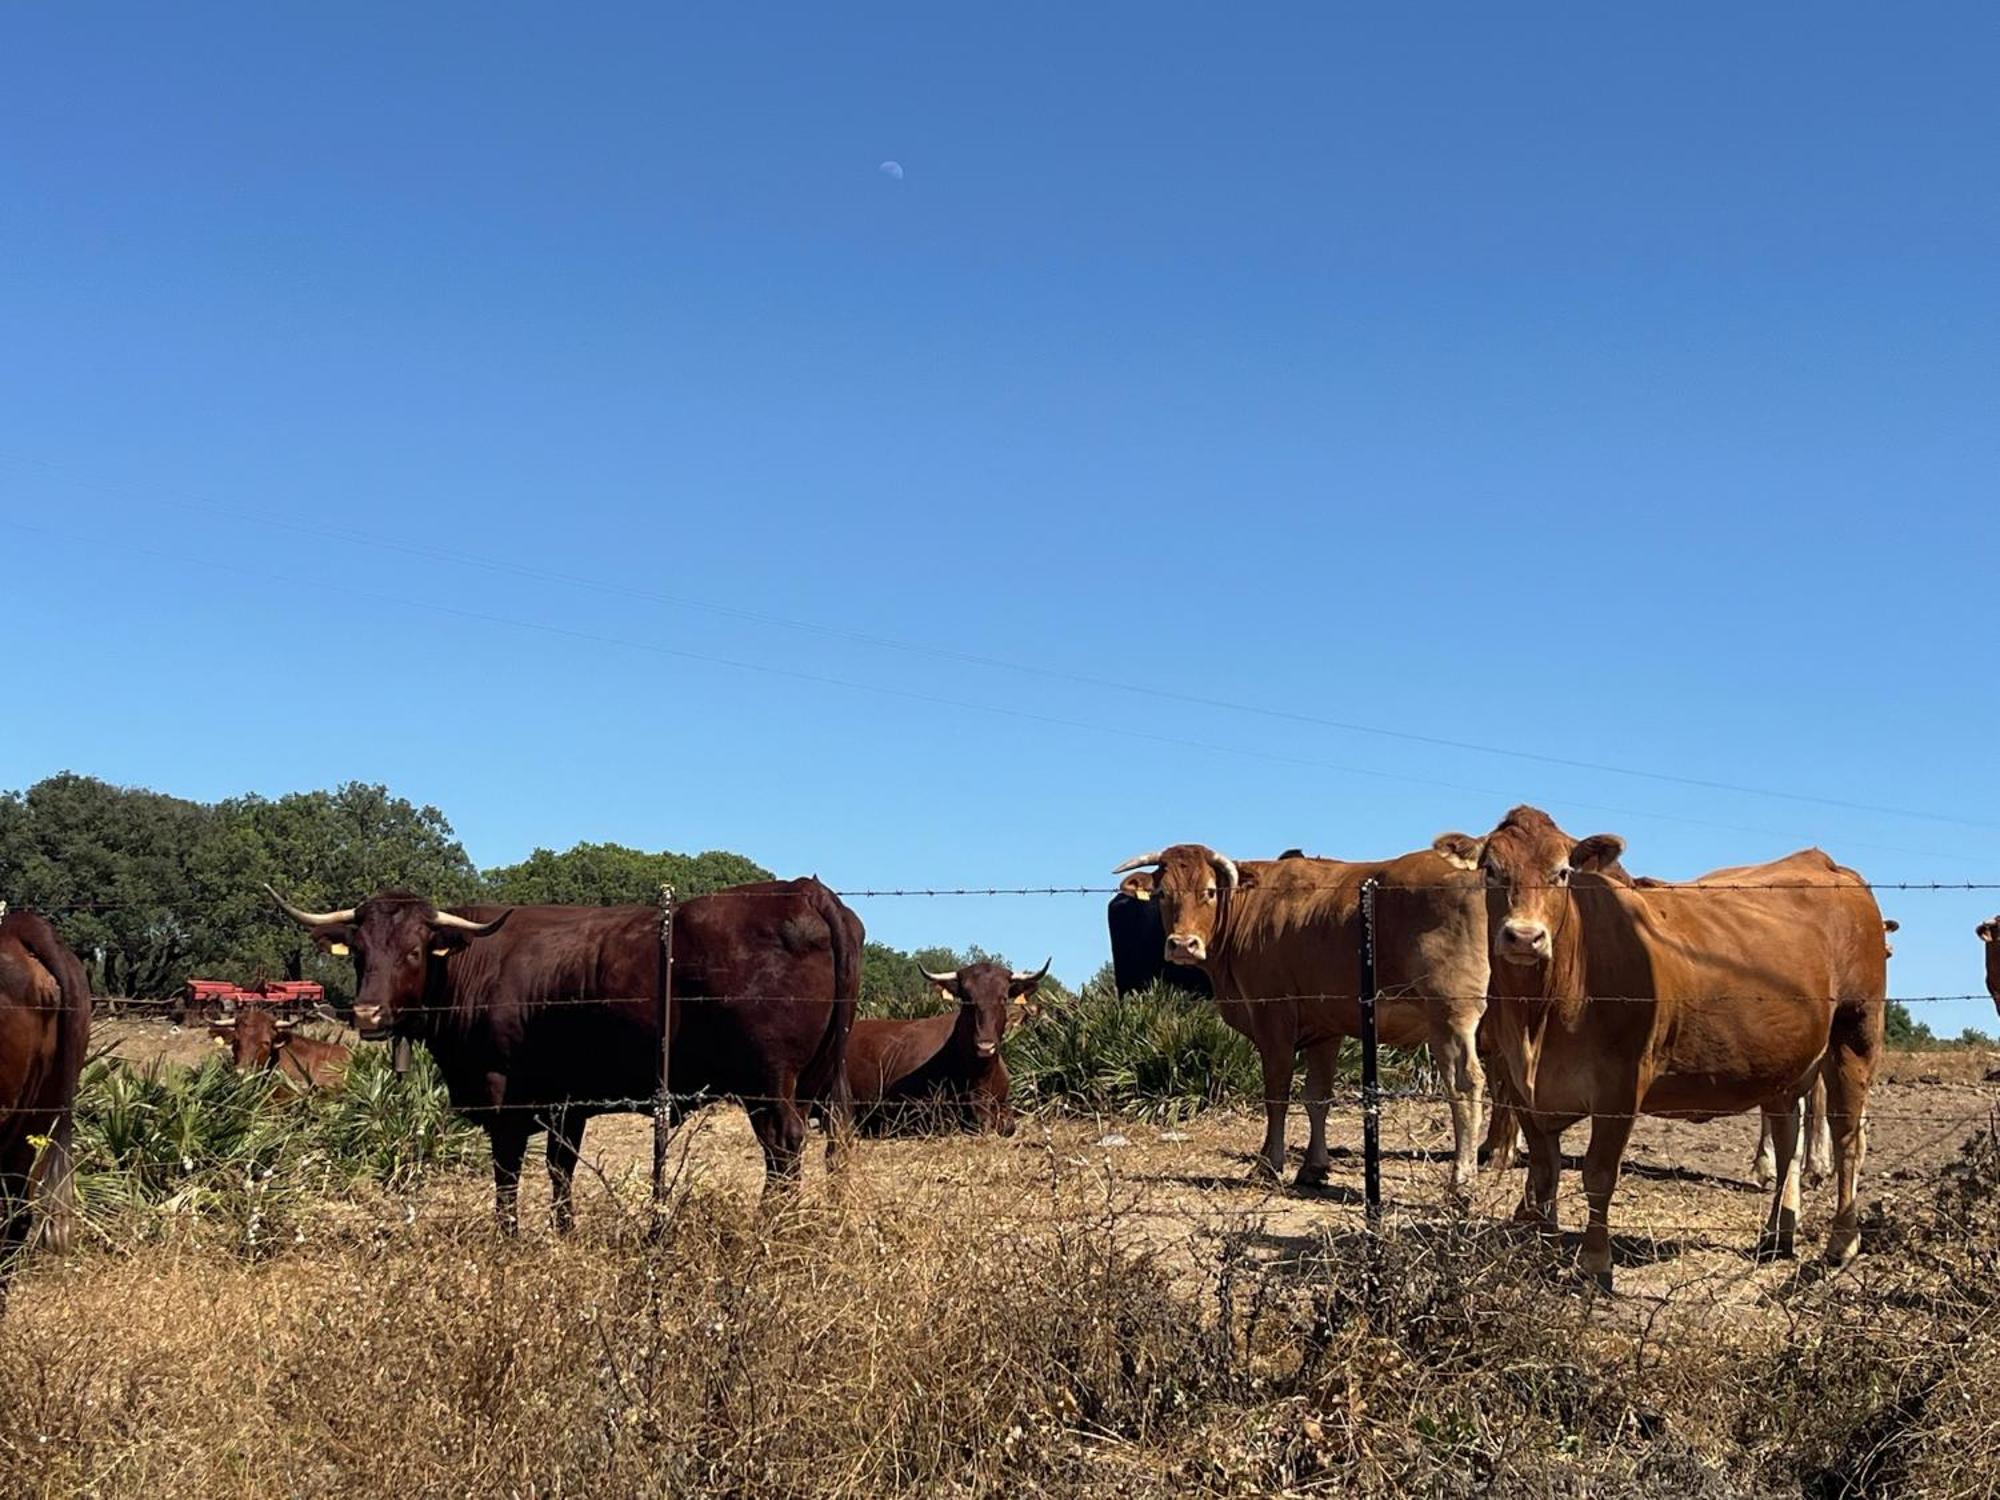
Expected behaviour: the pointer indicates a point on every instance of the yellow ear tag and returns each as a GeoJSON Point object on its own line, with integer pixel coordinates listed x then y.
{"type": "Point", "coordinates": [440, 953]}
{"type": "Point", "coordinates": [1143, 894]}
{"type": "Point", "coordinates": [338, 950]}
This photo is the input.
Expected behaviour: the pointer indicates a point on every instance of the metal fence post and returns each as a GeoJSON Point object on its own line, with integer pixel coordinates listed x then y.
{"type": "Point", "coordinates": [663, 1119]}
{"type": "Point", "coordinates": [1371, 1088]}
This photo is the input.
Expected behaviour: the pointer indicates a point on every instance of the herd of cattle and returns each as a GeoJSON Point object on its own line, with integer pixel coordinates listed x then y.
{"type": "Point", "coordinates": [1530, 962]}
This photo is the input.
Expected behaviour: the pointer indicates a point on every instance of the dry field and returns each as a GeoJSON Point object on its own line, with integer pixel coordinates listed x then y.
{"type": "Point", "coordinates": [1093, 1306]}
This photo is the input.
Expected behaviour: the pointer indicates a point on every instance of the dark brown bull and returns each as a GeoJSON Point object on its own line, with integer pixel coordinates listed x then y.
{"type": "Point", "coordinates": [541, 1017]}
{"type": "Point", "coordinates": [1281, 942]}
{"type": "Point", "coordinates": [925, 1073]}
{"type": "Point", "coordinates": [257, 1040]}
{"type": "Point", "coordinates": [1615, 999]}
{"type": "Point", "coordinates": [44, 1031]}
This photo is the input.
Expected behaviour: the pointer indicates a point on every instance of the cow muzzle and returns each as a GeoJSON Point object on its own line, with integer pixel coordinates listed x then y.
{"type": "Point", "coordinates": [370, 1021]}
{"type": "Point", "coordinates": [1522, 943]}
{"type": "Point", "coordinates": [1186, 948]}
{"type": "Point", "coordinates": [986, 1049]}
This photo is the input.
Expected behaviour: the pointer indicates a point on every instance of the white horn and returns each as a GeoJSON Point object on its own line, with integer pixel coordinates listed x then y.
{"type": "Point", "coordinates": [310, 918]}
{"type": "Point", "coordinates": [466, 925]}
{"type": "Point", "coordinates": [948, 977]}
{"type": "Point", "coordinates": [1143, 862]}
{"type": "Point", "coordinates": [1226, 868]}
{"type": "Point", "coordinates": [1038, 976]}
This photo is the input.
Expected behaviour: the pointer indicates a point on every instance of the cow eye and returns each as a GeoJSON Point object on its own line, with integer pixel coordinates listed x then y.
{"type": "Point", "coordinates": [1561, 876]}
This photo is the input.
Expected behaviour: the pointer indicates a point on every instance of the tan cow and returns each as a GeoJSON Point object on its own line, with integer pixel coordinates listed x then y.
{"type": "Point", "coordinates": [1280, 941]}
{"type": "Point", "coordinates": [1615, 1000]}
{"type": "Point", "coordinates": [256, 1040]}
{"type": "Point", "coordinates": [1989, 934]}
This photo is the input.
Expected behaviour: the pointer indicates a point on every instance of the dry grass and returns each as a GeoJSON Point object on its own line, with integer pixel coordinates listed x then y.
{"type": "Point", "coordinates": [855, 1344]}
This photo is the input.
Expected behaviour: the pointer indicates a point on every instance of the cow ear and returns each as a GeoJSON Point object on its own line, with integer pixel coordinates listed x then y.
{"type": "Point", "coordinates": [1247, 878]}
{"type": "Point", "coordinates": [1140, 884]}
{"type": "Point", "coordinates": [1460, 849]}
{"type": "Point", "coordinates": [334, 939]}
{"type": "Point", "coordinates": [1598, 852]}
{"type": "Point", "coordinates": [1989, 931]}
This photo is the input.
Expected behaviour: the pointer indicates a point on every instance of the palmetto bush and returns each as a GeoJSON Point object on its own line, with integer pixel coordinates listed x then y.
{"type": "Point", "coordinates": [245, 1149]}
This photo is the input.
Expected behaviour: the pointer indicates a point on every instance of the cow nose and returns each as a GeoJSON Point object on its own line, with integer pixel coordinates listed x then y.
{"type": "Point", "coordinates": [987, 1049]}
{"type": "Point", "coordinates": [1524, 940]}
{"type": "Point", "coordinates": [1184, 946]}
{"type": "Point", "coordinates": [367, 1017]}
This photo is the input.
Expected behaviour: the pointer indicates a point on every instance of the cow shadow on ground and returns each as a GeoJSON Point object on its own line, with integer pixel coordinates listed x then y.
{"type": "Point", "coordinates": [1310, 1256]}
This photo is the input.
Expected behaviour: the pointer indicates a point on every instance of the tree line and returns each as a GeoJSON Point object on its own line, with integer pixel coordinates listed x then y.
{"type": "Point", "coordinates": [150, 889]}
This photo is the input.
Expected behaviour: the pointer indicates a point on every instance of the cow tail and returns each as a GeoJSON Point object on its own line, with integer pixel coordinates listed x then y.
{"type": "Point", "coordinates": [825, 1077]}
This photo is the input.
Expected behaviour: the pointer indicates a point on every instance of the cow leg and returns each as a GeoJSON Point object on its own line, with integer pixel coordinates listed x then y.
{"type": "Point", "coordinates": [1819, 1135]}
{"type": "Point", "coordinates": [781, 1131]}
{"type": "Point", "coordinates": [509, 1136]}
{"type": "Point", "coordinates": [1781, 1225]}
{"type": "Point", "coordinates": [56, 1187]}
{"type": "Point", "coordinates": [565, 1141]}
{"type": "Point", "coordinates": [1848, 1071]}
{"type": "Point", "coordinates": [1456, 1052]}
{"type": "Point", "coordinates": [1601, 1160]}
{"type": "Point", "coordinates": [1322, 1062]}
{"type": "Point", "coordinates": [1765, 1164]}
{"type": "Point", "coordinates": [1276, 1056]}
{"type": "Point", "coordinates": [1538, 1194]}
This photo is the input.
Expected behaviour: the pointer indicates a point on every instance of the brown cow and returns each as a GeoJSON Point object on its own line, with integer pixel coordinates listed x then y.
{"type": "Point", "coordinates": [1612, 1000]}
{"type": "Point", "coordinates": [44, 1031]}
{"type": "Point", "coordinates": [1989, 934]}
{"type": "Point", "coordinates": [257, 1040]}
{"type": "Point", "coordinates": [542, 1017]}
{"type": "Point", "coordinates": [918, 1074]}
{"type": "Point", "coordinates": [1280, 940]}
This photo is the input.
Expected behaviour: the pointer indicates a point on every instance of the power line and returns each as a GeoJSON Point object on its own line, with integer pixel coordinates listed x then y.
{"type": "Point", "coordinates": [794, 674]}
{"type": "Point", "coordinates": [188, 500]}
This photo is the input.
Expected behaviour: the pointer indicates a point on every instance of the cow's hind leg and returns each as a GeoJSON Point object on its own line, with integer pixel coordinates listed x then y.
{"type": "Point", "coordinates": [565, 1141]}
{"type": "Point", "coordinates": [1819, 1135]}
{"type": "Point", "coordinates": [509, 1135]}
{"type": "Point", "coordinates": [1764, 1166]}
{"type": "Point", "coordinates": [1322, 1063]}
{"type": "Point", "coordinates": [1456, 1052]}
{"type": "Point", "coordinates": [1848, 1072]}
{"type": "Point", "coordinates": [1601, 1160]}
{"type": "Point", "coordinates": [1781, 1225]}
{"type": "Point", "coordinates": [781, 1131]}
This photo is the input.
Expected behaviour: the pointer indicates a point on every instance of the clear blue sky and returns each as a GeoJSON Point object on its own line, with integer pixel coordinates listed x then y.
{"type": "Point", "coordinates": [399, 384]}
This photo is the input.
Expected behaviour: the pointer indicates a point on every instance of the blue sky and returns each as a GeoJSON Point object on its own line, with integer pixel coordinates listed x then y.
{"type": "Point", "coordinates": [408, 384]}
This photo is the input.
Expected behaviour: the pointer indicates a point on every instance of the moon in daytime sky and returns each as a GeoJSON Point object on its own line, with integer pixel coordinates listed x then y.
{"type": "Point", "coordinates": [892, 169]}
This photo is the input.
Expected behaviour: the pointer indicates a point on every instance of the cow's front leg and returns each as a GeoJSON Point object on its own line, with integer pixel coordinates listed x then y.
{"type": "Point", "coordinates": [1781, 1225]}
{"type": "Point", "coordinates": [1601, 1160]}
{"type": "Point", "coordinates": [1277, 1065]}
{"type": "Point", "coordinates": [509, 1135]}
{"type": "Point", "coordinates": [1322, 1062]}
{"type": "Point", "coordinates": [565, 1141]}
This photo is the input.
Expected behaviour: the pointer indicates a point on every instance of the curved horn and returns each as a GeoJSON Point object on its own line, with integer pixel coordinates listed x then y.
{"type": "Point", "coordinates": [467, 926]}
{"type": "Point", "coordinates": [310, 918]}
{"type": "Point", "coordinates": [1143, 862]}
{"type": "Point", "coordinates": [948, 977]}
{"type": "Point", "coordinates": [1038, 976]}
{"type": "Point", "coordinates": [1226, 868]}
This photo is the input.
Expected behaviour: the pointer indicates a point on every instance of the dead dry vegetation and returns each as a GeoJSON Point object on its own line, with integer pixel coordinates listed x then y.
{"type": "Point", "coordinates": [850, 1345]}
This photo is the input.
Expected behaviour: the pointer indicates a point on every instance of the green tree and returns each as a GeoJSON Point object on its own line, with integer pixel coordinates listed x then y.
{"type": "Point", "coordinates": [1901, 1029]}
{"type": "Point", "coordinates": [615, 875]}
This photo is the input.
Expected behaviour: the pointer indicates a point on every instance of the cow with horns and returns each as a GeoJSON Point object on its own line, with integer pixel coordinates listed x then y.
{"type": "Point", "coordinates": [1616, 998]}
{"type": "Point", "coordinates": [1281, 942]}
{"type": "Point", "coordinates": [946, 1068]}
{"type": "Point", "coordinates": [541, 1017]}
{"type": "Point", "coordinates": [257, 1040]}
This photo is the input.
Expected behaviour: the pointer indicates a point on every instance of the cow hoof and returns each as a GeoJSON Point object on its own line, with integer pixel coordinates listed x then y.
{"type": "Point", "coordinates": [1601, 1279]}
{"type": "Point", "coordinates": [1775, 1247]}
{"type": "Point", "coordinates": [1311, 1175]}
{"type": "Point", "coordinates": [1842, 1248]}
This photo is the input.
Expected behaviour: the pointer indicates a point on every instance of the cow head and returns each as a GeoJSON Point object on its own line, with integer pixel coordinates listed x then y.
{"type": "Point", "coordinates": [1528, 863]}
{"type": "Point", "coordinates": [1989, 934]}
{"type": "Point", "coordinates": [1192, 886]}
{"type": "Point", "coordinates": [252, 1037]}
{"type": "Point", "coordinates": [394, 937]}
{"type": "Point", "coordinates": [986, 995]}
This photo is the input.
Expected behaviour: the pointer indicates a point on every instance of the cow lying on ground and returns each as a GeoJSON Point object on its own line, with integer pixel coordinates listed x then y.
{"type": "Point", "coordinates": [944, 1070]}
{"type": "Point", "coordinates": [541, 1017]}
{"type": "Point", "coordinates": [1613, 1000]}
{"type": "Point", "coordinates": [256, 1040]}
{"type": "Point", "coordinates": [1280, 940]}
{"type": "Point", "coordinates": [44, 1030]}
